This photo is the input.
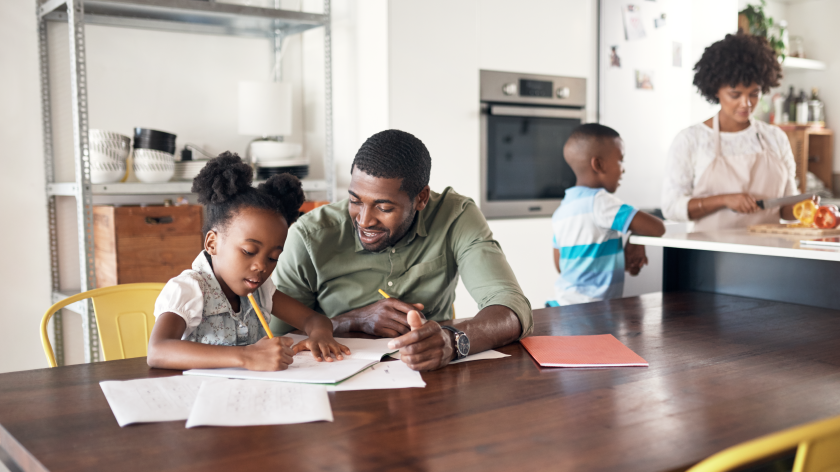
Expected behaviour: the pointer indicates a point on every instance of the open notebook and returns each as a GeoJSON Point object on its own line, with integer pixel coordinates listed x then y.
{"type": "Point", "coordinates": [305, 369]}
{"type": "Point", "coordinates": [602, 350]}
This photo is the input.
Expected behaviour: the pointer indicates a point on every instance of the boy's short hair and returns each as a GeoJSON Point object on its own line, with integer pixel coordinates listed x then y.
{"type": "Point", "coordinates": [593, 131]}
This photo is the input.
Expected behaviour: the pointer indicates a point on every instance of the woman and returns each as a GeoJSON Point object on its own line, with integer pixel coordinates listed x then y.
{"type": "Point", "coordinates": [717, 169]}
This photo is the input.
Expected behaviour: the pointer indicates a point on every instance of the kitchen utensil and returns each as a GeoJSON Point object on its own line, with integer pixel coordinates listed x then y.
{"type": "Point", "coordinates": [780, 202]}
{"type": "Point", "coordinates": [794, 230]}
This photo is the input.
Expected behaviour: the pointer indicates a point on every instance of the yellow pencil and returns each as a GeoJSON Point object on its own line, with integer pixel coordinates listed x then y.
{"type": "Point", "coordinates": [382, 292]}
{"type": "Point", "coordinates": [260, 315]}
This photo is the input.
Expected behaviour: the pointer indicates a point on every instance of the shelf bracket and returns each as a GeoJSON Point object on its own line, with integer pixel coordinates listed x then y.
{"type": "Point", "coordinates": [49, 6]}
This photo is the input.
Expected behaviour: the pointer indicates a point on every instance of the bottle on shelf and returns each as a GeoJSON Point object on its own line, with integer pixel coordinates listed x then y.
{"type": "Point", "coordinates": [816, 109]}
{"type": "Point", "coordinates": [802, 109]}
{"type": "Point", "coordinates": [789, 107]}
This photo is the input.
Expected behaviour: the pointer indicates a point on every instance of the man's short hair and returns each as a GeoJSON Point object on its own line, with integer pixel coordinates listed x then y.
{"type": "Point", "coordinates": [395, 154]}
{"type": "Point", "coordinates": [593, 131]}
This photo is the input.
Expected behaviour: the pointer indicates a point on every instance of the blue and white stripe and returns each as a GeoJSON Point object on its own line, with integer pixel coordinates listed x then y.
{"type": "Point", "coordinates": [587, 232]}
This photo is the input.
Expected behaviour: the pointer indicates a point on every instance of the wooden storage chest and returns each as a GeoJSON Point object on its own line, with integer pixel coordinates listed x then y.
{"type": "Point", "coordinates": [145, 244]}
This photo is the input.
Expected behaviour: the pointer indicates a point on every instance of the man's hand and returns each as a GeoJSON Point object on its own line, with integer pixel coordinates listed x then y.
{"type": "Point", "coordinates": [634, 258]}
{"type": "Point", "coordinates": [426, 347]}
{"type": "Point", "coordinates": [386, 318]}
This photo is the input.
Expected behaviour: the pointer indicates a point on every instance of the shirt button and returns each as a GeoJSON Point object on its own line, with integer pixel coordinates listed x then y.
{"type": "Point", "coordinates": [393, 251]}
{"type": "Point", "coordinates": [390, 284]}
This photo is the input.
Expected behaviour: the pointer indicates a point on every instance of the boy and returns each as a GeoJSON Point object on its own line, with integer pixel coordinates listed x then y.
{"type": "Point", "coordinates": [589, 223]}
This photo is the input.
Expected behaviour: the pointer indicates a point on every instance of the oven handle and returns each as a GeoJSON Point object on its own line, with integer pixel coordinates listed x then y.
{"type": "Point", "coordinates": [507, 110]}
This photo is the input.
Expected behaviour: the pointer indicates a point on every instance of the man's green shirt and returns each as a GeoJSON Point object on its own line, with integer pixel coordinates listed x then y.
{"type": "Point", "coordinates": [325, 267]}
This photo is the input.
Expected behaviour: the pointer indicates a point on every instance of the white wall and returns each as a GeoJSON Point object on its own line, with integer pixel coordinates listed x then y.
{"type": "Point", "coordinates": [24, 266]}
{"type": "Point", "coordinates": [434, 60]}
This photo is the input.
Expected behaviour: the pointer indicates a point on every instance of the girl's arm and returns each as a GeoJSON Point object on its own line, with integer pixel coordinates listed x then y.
{"type": "Point", "coordinates": [168, 351]}
{"type": "Point", "coordinates": [318, 327]}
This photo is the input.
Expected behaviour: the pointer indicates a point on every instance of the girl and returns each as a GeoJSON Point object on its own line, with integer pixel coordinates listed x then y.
{"type": "Point", "coordinates": [204, 318]}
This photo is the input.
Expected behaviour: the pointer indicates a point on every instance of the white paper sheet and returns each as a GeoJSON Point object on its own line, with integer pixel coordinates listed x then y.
{"type": "Point", "coordinates": [381, 376]}
{"type": "Point", "coordinates": [151, 400]}
{"type": "Point", "coordinates": [239, 403]}
{"type": "Point", "coordinates": [305, 369]}
{"type": "Point", "coordinates": [489, 354]}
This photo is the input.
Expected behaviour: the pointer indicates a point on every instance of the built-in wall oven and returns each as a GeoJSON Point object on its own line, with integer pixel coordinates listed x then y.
{"type": "Point", "coordinates": [525, 122]}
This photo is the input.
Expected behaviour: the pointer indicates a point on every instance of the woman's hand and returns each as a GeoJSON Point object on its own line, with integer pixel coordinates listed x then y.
{"type": "Point", "coordinates": [740, 202]}
{"type": "Point", "coordinates": [323, 346]}
{"type": "Point", "coordinates": [268, 354]}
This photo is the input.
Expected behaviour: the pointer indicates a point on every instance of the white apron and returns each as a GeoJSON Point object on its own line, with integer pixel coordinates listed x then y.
{"type": "Point", "coordinates": [761, 175]}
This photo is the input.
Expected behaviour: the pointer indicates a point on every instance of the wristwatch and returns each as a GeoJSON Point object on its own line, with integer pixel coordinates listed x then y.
{"type": "Point", "coordinates": [462, 342]}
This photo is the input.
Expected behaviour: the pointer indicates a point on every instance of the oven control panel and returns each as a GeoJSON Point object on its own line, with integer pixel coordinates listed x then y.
{"type": "Point", "coordinates": [533, 89]}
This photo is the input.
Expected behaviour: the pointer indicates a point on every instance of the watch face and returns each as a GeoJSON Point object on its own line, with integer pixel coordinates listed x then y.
{"type": "Point", "coordinates": [463, 345]}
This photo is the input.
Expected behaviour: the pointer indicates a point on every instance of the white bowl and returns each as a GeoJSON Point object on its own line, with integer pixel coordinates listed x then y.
{"type": "Point", "coordinates": [107, 154]}
{"type": "Point", "coordinates": [114, 140]}
{"type": "Point", "coordinates": [106, 172]}
{"type": "Point", "coordinates": [151, 171]}
{"type": "Point", "coordinates": [274, 150]}
{"type": "Point", "coordinates": [153, 155]}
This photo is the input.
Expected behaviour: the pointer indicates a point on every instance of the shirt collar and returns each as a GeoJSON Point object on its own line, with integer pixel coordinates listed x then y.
{"type": "Point", "coordinates": [202, 265]}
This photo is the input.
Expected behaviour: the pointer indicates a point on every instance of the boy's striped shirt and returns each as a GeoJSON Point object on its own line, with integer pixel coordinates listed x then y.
{"type": "Point", "coordinates": [587, 231]}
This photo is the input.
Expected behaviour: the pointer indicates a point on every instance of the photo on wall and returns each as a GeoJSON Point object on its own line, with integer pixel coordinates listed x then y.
{"type": "Point", "coordinates": [644, 79]}
{"type": "Point", "coordinates": [676, 54]}
{"type": "Point", "coordinates": [615, 61]}
{"type": "Point", "coordinates": [633, 26]}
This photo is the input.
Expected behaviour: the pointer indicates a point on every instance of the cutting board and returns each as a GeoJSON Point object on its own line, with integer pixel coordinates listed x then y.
{"type": "Point", "coordinates": [794, 231]}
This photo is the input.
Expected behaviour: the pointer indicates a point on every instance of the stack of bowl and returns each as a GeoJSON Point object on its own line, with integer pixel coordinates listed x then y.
{"type": "Point", "coordinates": [154, 155]}
{"type": "Point", "coordinates": [108, 152]}
{"type": "Point", "coordinates": [276, 157]}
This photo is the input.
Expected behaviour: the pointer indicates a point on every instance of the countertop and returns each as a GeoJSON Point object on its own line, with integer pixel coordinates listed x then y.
{"type": "Point", "coordinates": [741, 242]}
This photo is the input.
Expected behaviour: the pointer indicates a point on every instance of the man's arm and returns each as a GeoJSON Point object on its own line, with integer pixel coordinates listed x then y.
{"type": "Point", "coordinates": [504, 315]}
{"type": "Point", "coordinates": [295, 275]}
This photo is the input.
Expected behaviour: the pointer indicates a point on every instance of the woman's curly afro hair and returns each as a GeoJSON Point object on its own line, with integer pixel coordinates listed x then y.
{"type": "Point", "coordinates": [224, 187]}
{"type": "Point", "coordinates": [737, 59]}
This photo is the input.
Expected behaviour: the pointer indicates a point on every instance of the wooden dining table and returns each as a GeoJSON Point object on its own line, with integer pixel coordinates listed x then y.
{"type": "Point", "coordinates": [723, 370]}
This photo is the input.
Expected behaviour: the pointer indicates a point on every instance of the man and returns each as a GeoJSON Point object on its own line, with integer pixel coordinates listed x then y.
{"type": "Point", "coordinates": [394, 234]}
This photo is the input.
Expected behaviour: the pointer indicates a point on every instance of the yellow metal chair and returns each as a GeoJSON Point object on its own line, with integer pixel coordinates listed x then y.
{"type": "Point", "coordinates": [817, 448]}
{"type": "Point", "coordinates": [124, 317]}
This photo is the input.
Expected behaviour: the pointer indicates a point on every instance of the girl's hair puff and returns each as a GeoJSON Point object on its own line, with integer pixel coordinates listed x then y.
{"type": "Point", "coordinates": [224, 187]}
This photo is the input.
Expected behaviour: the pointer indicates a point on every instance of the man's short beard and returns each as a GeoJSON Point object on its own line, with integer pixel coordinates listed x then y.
{"type": "Point", "coordinates": [393, 238]}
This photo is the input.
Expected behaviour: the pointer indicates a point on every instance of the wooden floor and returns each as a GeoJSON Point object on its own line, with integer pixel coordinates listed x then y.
{"type": "Point", "coordinates": [723, 370]}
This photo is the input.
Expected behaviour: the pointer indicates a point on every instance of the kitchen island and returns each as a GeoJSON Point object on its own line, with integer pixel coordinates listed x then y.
{"type": "Point", "coordinates": [737, 262]}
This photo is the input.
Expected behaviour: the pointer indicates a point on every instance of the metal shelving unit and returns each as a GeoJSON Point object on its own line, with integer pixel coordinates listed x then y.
{"type": "Point", "coordinates": [188, 16]}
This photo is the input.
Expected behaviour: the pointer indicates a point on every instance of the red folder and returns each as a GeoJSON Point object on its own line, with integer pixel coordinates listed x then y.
{"type": "Point", "coordinates": [601, 350]}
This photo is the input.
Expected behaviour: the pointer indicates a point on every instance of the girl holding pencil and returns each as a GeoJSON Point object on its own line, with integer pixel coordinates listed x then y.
{"type": "Point", "coordinates": [204, 316]}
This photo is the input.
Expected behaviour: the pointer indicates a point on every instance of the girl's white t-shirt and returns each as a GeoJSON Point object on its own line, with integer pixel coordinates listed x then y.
{"type": "Point", "coordinates": [183, 295]}
{"type": "Point", "coordinates": [694, 149]}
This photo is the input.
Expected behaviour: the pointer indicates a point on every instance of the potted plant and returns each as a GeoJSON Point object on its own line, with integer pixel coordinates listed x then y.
{"type": "Point", "coordinates": [753, 20]}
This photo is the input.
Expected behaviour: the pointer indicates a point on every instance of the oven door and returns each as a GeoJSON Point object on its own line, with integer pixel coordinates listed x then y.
{"type": "Point", "coordinates": [523, 172]}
